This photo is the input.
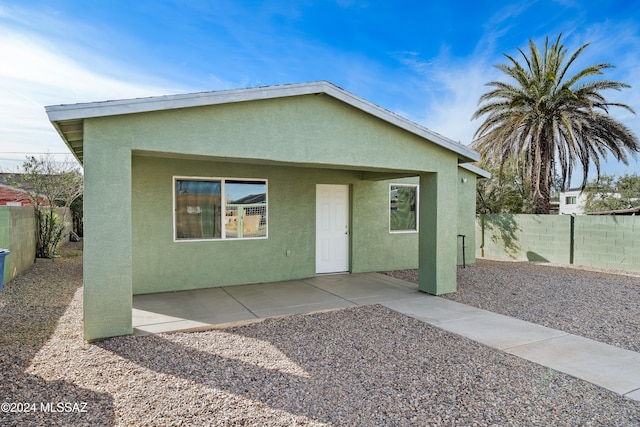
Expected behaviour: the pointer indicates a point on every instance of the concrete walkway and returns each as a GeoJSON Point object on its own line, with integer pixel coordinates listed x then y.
{"type": "Point", "coordinates": [608, 366]}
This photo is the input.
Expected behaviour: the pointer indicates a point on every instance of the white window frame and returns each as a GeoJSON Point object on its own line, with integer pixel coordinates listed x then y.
{"type": "Point", "coordinates": [417, 189]}
{"type": "Point", "coordinates": [223, 208]}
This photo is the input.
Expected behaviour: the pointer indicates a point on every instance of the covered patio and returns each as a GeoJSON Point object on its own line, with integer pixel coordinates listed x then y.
{"type": "Point", "coordinates": [259, 185]}
{"type": "Point", "coordinates": [224, 306]}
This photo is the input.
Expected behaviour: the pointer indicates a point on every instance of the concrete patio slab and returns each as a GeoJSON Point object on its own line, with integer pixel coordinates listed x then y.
{"type": "Point", "coordinates": [364, 289]}
{"type": "Point", "coordinates": [162, 324]}
{"type": "Point", "coordinates": [264, 297]}
{"type": "Point", "coordinates": [175, 311]}
{"type": "Point", "coordinates": [192, 305]}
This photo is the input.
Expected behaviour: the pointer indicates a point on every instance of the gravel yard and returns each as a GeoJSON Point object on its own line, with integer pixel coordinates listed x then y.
{"type": "Point", "coordinates": [362, 366]}
{"type": "Point", "coordinates": [594, 304]}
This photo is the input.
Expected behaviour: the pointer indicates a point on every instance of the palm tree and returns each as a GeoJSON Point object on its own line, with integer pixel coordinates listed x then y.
{"type": "Point", "coordinates": [548, 119]}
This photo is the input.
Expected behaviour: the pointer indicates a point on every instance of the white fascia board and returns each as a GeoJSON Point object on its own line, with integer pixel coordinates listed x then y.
{"type": "Point", "coordinates": [474, 169]}
{"type": "Point", "coordinates": [170, 102]}
{"type": "Point", "coordinates": [401, 122]}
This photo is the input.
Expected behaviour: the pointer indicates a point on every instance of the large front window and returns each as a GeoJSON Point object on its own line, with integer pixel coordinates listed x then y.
{"type": "Point", "coordinates": [219, 208]}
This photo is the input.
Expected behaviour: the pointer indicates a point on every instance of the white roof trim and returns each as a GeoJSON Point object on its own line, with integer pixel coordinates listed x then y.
{"type": "Point", "coordinates": [474, 169]}
{"type": "Point", "coordinates": [59, 113]}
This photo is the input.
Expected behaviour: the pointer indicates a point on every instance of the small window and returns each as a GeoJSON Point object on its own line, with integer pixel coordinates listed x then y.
{"type": "Point", "coordinates": [403, 208]}
{"type": "Point", "coordinates": [570, 200]}
{"type": "Point", "coordinates": [220, 209]}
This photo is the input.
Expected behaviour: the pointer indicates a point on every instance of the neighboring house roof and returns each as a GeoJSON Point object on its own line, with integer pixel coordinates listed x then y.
{"type": "Point", "coordinates": [252, 199]}
{"type": "Point", "coordinates": [68, 119]}
{"type": "Point", "coordinates": [630, 211]}
{"type": "Point", "coordinates": [10, 193]}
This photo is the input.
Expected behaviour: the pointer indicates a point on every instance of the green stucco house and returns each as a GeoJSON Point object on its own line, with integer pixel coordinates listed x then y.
{"type": "Point", "coordinates": [258, 185]}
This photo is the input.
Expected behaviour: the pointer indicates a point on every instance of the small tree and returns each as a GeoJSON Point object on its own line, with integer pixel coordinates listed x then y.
{"type": "Point", "coordinates": [507, 191]}
{"type": "Point", "coordinates": [49, 184]}
{"type": "Point", "coordinates": [609, 193]}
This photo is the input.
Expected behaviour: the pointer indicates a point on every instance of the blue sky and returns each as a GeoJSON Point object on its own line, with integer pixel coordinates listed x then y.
{"type": "Point", "coordinates": [425, 60]}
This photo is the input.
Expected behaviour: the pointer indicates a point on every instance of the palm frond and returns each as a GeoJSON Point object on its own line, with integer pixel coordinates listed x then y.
{"type": "Point", "coordinates": [545, 119]}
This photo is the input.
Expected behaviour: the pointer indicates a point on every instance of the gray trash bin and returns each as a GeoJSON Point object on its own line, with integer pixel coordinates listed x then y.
{"type": "Point", "coordinates": [3, 254]}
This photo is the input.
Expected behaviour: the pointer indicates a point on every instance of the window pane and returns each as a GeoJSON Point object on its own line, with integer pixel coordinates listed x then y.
{"type": "Point", "coordinates": [198, 209]}
{"type": "Point", "coordinates": [246, 209]}
{"type": "Point", "coordinates": [402, 208]}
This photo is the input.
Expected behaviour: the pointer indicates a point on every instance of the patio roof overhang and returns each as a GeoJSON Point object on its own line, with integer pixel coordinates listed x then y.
{"type": "Point", "coordinates": [366, 174]}
{"type": "Point", "coordinates": [68, 120]}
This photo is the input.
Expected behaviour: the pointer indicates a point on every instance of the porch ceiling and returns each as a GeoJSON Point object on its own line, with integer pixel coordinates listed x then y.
{"type": "Point", "coordinates": [366, 173]}
{"type": "Point", "coordinates": [72, 133]}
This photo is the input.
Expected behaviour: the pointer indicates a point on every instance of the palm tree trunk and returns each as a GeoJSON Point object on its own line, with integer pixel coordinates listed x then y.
{"type": "Point", "coordinates": [542, 192]}
{"type": "Point", "coordinates": [542, 201]}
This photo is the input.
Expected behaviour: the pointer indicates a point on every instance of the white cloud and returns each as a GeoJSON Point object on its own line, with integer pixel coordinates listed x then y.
{"type": "Point", "coordinates": [458, 85]}
{"type": "Point", "coordinates": [461, 87]}
{"type": "Point", "coordinates": [450, 91]}
{"type": "Point", "coordinates": [34, 73]}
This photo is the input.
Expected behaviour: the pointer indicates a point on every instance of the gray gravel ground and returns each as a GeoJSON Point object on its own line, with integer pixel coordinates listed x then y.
{"type": "Point", "coordinates": [595, 304]}
{"type": "Point", "coordinates": [362, 366]}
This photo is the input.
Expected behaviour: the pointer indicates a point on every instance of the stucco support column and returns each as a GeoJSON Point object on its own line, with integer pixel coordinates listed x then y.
{"type": "Point", "coordinates": [437, 233]}
{"type": "Point", "coordinates": [108, 296]}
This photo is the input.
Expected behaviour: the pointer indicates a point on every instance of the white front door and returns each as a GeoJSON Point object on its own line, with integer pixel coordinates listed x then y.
{"type": "Point", "coordinates": [332, 228]}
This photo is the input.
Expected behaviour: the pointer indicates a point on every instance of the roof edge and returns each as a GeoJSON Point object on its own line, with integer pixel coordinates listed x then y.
{"type": "Point", "coordinates": [474, 169]}
{"type": "Point", "coordinates": [81, 111]}
{"type": "Point", "coordinates": [170, 102]}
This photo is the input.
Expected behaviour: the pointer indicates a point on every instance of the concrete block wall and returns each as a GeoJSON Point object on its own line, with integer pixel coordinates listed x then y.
{"type": "Point", "coordinates": [609, 242]}
{"type": "Point", "coordinates": [524, 237]}
{"type": "Point", "coordinates": [18, 234]}
{"type": "Point", "coordinates": [66, 214]}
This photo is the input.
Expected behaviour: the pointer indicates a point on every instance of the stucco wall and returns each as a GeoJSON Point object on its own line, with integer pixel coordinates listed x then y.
{"type": "Point", "coordinates": [160, 264]}
{"type": "Point", "coordinates": [466, 215]}
{"type": "Point", "coordinates": [294, 143]}
{"type": "Point", "coordinates": [377, 249]}
{"type": "Point", "coordinates": [304, 130]}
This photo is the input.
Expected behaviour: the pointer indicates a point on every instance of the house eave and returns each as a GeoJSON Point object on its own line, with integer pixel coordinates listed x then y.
{"type": "Point", "coordinates": [68, 119]}
{"type": "Point", "coordinates": [476, 170]}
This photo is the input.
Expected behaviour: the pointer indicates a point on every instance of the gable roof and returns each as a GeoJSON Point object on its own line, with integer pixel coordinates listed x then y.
{"type": "Point", "coordinates": [69, 119]}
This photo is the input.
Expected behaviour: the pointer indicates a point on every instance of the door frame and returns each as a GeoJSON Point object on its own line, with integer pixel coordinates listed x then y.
{"type": "Point", "coordinates": [346, 259]}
